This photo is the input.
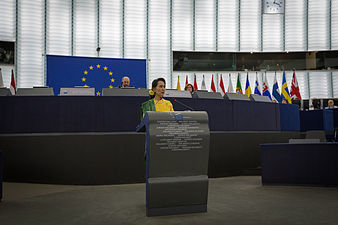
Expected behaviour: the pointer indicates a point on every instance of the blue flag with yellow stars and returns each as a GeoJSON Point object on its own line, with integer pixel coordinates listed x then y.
{"type": "Point", "coordinates": [96, 72]}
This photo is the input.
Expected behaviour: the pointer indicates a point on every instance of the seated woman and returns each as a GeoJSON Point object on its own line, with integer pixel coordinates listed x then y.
{"type": "Point", "coordinates": [156, 102]}
{"type": "Point", "coordinates": [189, 88]}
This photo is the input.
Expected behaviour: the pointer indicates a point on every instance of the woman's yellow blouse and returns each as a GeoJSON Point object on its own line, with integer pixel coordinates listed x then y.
{"type": "Point", "coordinates": [163, 105]}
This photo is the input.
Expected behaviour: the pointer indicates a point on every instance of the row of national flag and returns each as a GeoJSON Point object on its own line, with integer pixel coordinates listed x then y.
{"type": "Point", "coordinates": [275, 94]}
{"type": "Point", "coordinates": [12, 86]}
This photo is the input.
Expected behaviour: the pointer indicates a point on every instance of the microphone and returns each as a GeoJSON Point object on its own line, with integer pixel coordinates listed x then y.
{"type": "Point", "coordinates": [186, 106]}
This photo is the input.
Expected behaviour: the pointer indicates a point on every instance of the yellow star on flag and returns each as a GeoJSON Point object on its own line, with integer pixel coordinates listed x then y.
{"type": "Point", "coordinates": [105, 68]}
{"type": "Point", "coordinates": [112, 80]}
{"type": "Point", "coordinates": [98, 93]}
{"type": "Point", "coordinates": [83, 79]}
{"type": "Point", "coordinates": [110, 86]}
{"type": "Point", "coordinates": [110, 73]}
{"type": "Point", "coordinates": [91, 67]}
{"type": "Point", "coordinates": [85, 72]}
{"type": "Point", "coordinates": [98, 65]}
{"type": "Point", "coordinates": [85, 85]}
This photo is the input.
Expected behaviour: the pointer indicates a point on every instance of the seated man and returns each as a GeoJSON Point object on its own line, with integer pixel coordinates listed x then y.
{"type": "Point", "coordinates": [125, 82]}
{"type": "Point", "coordinates": [331, 105]}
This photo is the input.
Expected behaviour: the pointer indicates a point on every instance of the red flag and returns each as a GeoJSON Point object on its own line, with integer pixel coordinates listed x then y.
{"type": "Point", "coordinates": [186, 80]}
{"type": "Point", "coordinates": [294, 87]}
{"type": "Point", "coordinates": [195, 83]}
{"type": "Point", "coordinates": [221, 85]}
{"type": "Point", "coordinates": [213, 88]}
{"type": "Point", "coordinates": [12, 87]}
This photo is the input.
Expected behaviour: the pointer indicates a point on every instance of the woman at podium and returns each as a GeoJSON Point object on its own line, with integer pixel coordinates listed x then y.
{"type": "Point", "coordinates": [156, 102]}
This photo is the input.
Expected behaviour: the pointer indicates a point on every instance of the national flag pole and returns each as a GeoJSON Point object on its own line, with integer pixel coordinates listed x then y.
{"type": "Point", "coordinates": [213, 88]}
{"type": "Point", "coordinates": [275, 90]}
{"type": "Point", "coordinates": [257, 88]}
{"type": "Point", "coordinates": [13, 87]}
{"type": "Point", "coordinates": [266, 91]}
{"type": "Point", "coordinates": [178, 83]}
{"type": "Point", "coordinates": [195, 83]}
{"type": "Point", "coordinates": [295, 88]}
{"type": "Point", "coordinates": [285, 90]}
{"type": "Point", "coordinates": [1, 80]}
{"type": "Point", "coordinates": [203, 86]}
{"type": "Point", "coordinates": [239, 86]}
{"type": "Point", "coordinates": [247, 86]}
{"type": "Point", "coordinates": [230, 87]}
{"type": "Point", "coordinates": [221, 85]}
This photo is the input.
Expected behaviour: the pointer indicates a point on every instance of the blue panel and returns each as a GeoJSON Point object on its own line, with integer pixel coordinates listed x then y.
{"type": "Point", "coordinates": [328, 120]}
{"type": "Point", "coordinates": [26, 114]}
{"type": "Point", "coordinates": [219, 112]}
{"type": "Point", "coordinates": [335, 117]}
{"type": "Point", "coordinates": [317, 120]}
{"type": "Point", "coordinates": [289, 117]}
{"type": "Point", "coordinates": [71, 71]}
{"type": "Point", "coordinates": [243, 117]}
{"type": "Point", "coordinates": [265, 116]}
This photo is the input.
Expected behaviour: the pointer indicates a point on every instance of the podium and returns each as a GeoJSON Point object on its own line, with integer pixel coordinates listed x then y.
{"type": "Point", "coordinates": [177, 155]}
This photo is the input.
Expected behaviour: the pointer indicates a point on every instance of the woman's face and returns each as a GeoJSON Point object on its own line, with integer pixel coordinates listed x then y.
{"type": "Point", "coordinates": [159, 89]}
{"type": "Point", "coordinates": [189, 88]}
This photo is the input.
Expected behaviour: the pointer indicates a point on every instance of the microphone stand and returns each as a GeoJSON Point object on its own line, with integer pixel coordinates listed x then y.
{"type": "Point", "coordinates": [186, 106]}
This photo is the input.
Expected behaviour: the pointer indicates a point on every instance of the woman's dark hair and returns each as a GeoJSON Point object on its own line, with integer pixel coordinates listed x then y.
{"type": "Point", "coordinates": [155, 83]}
{"type": "Point", "coordinates": [192, 87]}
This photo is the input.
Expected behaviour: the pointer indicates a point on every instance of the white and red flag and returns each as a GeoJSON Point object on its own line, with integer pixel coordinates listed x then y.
{"type": "Point", "coordinates": [221, 85]}
{"type": "Point", "coordinates": [294, 87]}
{"type": "Point", "coordinates": [13, 87]}
{"type": "Point", "coordinates": [213, 88]}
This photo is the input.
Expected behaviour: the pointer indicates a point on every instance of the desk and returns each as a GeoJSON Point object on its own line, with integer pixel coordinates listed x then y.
{"type": "Point", "coordinates": [335, 117]}
{"type": "Point", "coordinates": [321, 119]}
{"type": "Point", "coordinates": [48, 114]}
{"type": "Point", "coordinates": [118, 157]}
{"type": "Point", "coordinates": [300, 164]}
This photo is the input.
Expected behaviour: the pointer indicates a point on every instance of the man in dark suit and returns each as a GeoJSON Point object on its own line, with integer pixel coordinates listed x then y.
{"type": "Point", "coordinates": [125, 82]}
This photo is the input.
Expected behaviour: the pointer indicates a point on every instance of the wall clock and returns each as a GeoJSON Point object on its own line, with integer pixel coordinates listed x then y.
{"type": "Point", "coordinates": [273, 6]}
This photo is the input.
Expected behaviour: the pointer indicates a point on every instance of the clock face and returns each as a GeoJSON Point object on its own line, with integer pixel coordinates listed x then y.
{"type": "Point", "coordinates": [273, 6]}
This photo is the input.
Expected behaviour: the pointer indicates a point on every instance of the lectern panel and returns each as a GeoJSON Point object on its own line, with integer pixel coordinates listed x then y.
{"type": "Point", "coordinates": [177, 162]}
{"type": "Point", "coordinates": [182, 138]}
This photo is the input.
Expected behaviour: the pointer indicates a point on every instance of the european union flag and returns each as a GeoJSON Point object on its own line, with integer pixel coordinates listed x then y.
{"type": "Point", "coordinates": [71, 71]}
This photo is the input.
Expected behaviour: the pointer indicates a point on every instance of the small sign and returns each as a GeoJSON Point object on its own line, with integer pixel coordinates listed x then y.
{"type": "Point", "coordinates": [178, 117]}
